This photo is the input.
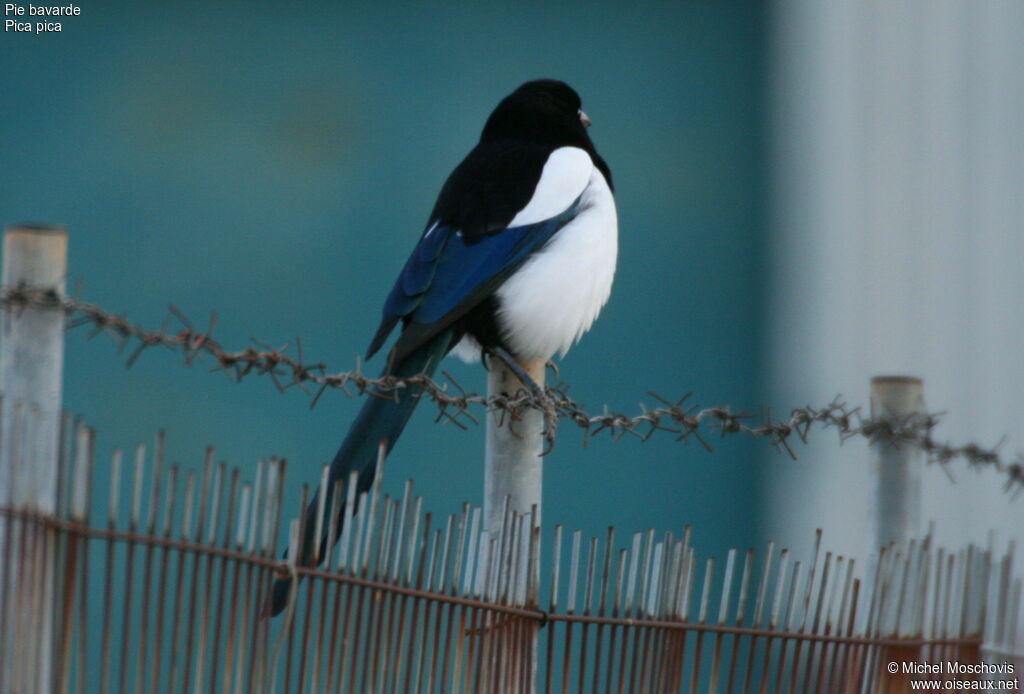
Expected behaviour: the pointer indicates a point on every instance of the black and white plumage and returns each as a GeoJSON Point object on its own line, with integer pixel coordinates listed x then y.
{"type": "Point", "coordinates": [498, 267]}
{"type": "Point", "coordinates": [517, 257]}
{"type": "Point", "coordinates": [555, 296]}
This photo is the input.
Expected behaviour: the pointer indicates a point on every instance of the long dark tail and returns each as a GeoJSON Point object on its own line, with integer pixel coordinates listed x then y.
{"type": "Point", "coordinates": [381, 419]}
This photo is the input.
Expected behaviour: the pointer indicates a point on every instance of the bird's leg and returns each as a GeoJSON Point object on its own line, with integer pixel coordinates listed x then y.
{"type": "Point", "coordinates": [540, 396]}
{"type": "Point", "coordinates": [514, 366]}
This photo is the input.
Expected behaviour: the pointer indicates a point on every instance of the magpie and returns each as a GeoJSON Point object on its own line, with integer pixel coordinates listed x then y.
{"type": "Point", "coordinates": [515, 261]}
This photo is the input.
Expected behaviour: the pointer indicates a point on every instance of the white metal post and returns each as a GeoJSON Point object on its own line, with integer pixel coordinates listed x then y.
{"type": "Point", "coordinates": [514, 471]}
{"type": "Point", "coordinates": [513, 450]}
{"type": "Point", "coordinates": [896, 465]}
{"type": "Point", "coordinates": [31, 371]}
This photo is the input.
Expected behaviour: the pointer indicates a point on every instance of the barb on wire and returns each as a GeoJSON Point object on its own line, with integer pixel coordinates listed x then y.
{"type": "Point", "coordinates": [674, 417]}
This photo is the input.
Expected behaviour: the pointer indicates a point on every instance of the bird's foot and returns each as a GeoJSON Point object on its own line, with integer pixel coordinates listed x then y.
{"type": "Point", "coordinates": [554, 367]}
{"type": "Point", "coordinates": [540, 396]}
{"type": "Point", "coordinates": [515, 367]}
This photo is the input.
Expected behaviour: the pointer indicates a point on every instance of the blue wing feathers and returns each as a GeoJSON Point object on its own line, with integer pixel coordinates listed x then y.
{"type": "Point", "coordinates": [445, 271]}
{"type": "Point", "coordinates": [472, 266]}
{"type": "Point", "coordinates": [429, 248]}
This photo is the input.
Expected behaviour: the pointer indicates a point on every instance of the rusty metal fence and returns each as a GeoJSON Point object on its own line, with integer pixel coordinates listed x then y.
{"type": "Point", "coordinates": [163, 591]}
{"type": "Point", "coordinates": [153, 577]}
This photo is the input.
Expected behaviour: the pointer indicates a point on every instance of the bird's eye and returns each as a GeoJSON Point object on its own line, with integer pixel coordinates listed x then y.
{"type": "Point", "coordinates": [584, 119]}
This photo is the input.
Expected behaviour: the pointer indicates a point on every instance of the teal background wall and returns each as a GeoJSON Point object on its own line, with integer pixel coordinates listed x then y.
{"type": "Point", "coordinates": [275, 164]}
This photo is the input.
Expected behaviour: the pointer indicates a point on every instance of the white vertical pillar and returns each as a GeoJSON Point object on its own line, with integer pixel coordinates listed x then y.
{"type": "Point", "coordinates": [31, 370]}
{"type": "Point", "coordinates": [896, 175]}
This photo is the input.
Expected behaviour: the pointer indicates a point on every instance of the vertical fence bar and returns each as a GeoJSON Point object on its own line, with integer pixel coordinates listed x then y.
{"type": "Point", "coordinates": [31, 366]}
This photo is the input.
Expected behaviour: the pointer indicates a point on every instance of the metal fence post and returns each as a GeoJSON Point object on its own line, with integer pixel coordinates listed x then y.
{"type": "Point", "coordinates": [31, 370]}
{"type": "Point", "coordinates": [896, 466]}
{"type": "Point", "coordinates": [514, 471]}
{"type": "Point", "coordinates": [513, 462]}
{"type": "Point", "coordinates": [896, 469]}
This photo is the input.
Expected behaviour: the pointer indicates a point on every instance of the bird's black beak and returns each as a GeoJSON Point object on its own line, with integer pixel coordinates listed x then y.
{"type": "Point", "coordinates": [585, 119]}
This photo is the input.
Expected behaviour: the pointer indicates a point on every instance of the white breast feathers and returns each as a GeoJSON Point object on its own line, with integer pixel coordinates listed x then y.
{"type": "Point", "coordinates": [547, 305]}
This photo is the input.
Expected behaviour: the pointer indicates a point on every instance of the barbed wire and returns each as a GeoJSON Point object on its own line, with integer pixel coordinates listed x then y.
{"type": "Point", "coordinates": [677, 417]}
